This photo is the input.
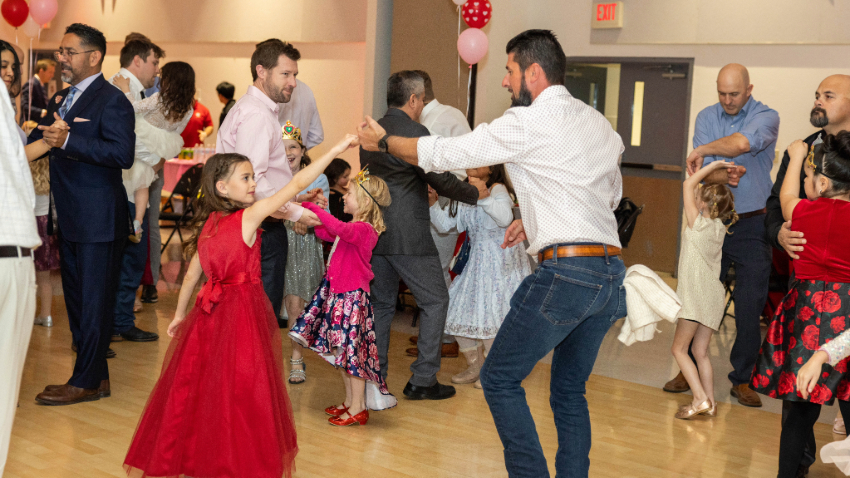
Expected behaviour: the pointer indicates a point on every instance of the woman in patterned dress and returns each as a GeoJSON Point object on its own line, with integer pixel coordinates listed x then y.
{"type": "Point", "coordinates": [815, 311]}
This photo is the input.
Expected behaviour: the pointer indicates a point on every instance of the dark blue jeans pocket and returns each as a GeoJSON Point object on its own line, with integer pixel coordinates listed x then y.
{"type": "Point", "coordinates": [570, 299]}
{"type": "Point", "coordinates": [621, 305]}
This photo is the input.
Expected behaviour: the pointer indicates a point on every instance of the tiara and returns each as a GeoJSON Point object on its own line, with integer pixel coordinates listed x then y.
{"type": "Point", "coordinates": [291, 132]}
{"type": "Point", "coordinates": [361, 178]}
{"type": "Point", "coordinates": [810, 158]}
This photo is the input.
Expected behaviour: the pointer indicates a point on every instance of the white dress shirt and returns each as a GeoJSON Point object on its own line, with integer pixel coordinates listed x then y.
{"type": "Point", "coordinates": [142, 153]}
{"type": "Point", "coordinates": [303, 113]}
{"type": "Point", "coordinates": [446, 121]}
{"type": "Point", "coordinates": [17, 195]}
{"type": "Point", "coordinates": [563, 159]}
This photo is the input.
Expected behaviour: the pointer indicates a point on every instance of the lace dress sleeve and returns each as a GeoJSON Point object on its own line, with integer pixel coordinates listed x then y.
{"type": "Point", "coordinates": [144, 106]}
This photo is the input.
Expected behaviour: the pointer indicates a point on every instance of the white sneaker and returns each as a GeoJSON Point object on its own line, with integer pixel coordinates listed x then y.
{"type": "Point", "coordinates": [44, 321]}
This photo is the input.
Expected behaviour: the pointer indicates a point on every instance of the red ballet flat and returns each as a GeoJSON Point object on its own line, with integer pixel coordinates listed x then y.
{"type": "Point", "coordinates": [359, 419]}
{"type": "Point", "coordinates": [334, 411]}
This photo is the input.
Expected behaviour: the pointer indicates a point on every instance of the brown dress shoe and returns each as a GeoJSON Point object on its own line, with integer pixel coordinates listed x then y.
{"type": "Point", "coordinates": [414, 339]}
{"type": "Point", "coordinates": [677, 385]}
{"type": "Point", "coordinates": [448, 350]}
{"type": "Point", "coordinates": [67, 395]}
{"type": "Point", "coordinates": [745, 395]}
{"type": "Point", "coordinates": [103, 390]}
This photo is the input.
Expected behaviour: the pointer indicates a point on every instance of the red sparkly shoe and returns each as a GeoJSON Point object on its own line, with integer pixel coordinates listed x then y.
{"type": "Point", "coordinates": [359, 419]}
{"type": "Point", "coordinates": [334, 411]}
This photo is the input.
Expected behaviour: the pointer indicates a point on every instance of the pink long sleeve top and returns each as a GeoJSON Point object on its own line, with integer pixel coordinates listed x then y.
{"type": "Point", "coordinates": [350, 267]}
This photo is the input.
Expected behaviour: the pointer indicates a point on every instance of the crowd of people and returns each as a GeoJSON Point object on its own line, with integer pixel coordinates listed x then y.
{"type": "Point", "coordinates": [286, 241]}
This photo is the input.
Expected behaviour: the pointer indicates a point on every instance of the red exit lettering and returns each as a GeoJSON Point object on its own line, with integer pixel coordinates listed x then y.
{"type": "Point", "coordinates": [606, 12]}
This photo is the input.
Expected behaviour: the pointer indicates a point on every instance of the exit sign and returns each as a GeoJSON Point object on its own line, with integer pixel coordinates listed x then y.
{"type": "Point", "coordinates": [607, 15]}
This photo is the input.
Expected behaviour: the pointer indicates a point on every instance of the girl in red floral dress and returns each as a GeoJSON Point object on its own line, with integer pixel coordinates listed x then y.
{"type": "Point", "coordinates": [816, 309]}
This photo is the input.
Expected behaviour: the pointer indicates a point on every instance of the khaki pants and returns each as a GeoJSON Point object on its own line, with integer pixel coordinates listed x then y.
{"type": "Point", "coordinates": [17, 311]}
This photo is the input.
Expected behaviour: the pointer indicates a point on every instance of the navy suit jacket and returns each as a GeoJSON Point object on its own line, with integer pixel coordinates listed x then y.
{"type": "Point", "coordinates": [39, 100]}
{"type": "Point", "coordinates": [85, 177]}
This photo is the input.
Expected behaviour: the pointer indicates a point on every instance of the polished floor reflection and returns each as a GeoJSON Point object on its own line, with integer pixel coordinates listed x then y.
{"type": "Point", "coordinates": [634, 432]}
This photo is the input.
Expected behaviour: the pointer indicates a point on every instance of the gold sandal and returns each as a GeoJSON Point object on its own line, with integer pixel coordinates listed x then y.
{"type": "Point", "coordinates": [688, 411]}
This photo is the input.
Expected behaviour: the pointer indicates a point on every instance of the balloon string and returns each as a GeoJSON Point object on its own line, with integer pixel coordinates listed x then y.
{"type": "Point", "coordinates": [468, 91]}
{"type": "Point", "coordinates": [457, 90]}
{"type": "Point", "coordinates": [28, 115]}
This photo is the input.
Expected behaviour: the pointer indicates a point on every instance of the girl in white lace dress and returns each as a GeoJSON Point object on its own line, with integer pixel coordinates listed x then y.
{"type": "Point", "coordinates": [479, 299]}
{"type": "Point", "coordinates": [160, 119]}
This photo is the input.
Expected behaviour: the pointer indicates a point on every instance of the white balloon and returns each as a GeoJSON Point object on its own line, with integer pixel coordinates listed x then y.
{"type": "Point", "coordinates": [459, 2]}
{"type": "Point", "coordinates": [31, 28]}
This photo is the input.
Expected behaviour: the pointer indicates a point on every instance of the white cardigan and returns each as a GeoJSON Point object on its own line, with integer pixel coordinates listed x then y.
{"type": "Point", "coordinates": [649, 300]}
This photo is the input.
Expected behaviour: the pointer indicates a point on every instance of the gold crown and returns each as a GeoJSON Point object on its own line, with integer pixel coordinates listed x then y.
{"type": "Point", "coordinates": [362, 176]}
{"type": "Point", "coordinates": [291, 132]}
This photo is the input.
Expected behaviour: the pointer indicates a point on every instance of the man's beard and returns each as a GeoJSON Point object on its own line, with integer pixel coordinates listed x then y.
{"type": "Point", "coordinates": [68, 76]}
{"type": "Point", "coordinates": [277, 95]}
{"type": "Point", "coordinates": [818, 121]}
{"type": "Point", "coordinates": [524, 96]}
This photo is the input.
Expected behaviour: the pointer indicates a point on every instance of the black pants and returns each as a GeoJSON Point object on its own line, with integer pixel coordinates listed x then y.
{"type": "Point", "coordinates": [797, 433]}
{"type": "Point", "coordinates": [273, 250]}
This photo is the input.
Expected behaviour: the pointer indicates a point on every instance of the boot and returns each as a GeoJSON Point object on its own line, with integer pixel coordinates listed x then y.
{"type": "Point", "coordinates": [474, 361]}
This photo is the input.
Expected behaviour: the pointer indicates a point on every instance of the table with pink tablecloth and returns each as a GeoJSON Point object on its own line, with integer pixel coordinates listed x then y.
{"type": "Point", "coordinates": [174, 170]}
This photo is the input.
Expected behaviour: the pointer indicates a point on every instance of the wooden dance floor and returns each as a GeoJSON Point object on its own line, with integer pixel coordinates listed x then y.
{"type": "Point", "coordinates": [634, 432]}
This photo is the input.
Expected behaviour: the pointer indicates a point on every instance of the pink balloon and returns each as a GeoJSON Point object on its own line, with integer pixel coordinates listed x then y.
{"type": "Point", "coordinates": [472, 45]}
{"type": "Point", "coordinates": [43, 11]}
{"type": "Point", "coordinates": [459, 2]}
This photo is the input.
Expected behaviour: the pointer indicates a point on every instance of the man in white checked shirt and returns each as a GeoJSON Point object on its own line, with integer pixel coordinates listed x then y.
{"type": "Point", "coordinates": [563, 158]}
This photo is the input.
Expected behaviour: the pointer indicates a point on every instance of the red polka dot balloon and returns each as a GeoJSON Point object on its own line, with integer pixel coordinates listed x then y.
{"type": "Point", "coordinates": [477, 13]}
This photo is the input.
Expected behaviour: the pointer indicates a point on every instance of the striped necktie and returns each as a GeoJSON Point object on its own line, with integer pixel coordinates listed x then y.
{"type": "Point", "coordinates": [68, 102]}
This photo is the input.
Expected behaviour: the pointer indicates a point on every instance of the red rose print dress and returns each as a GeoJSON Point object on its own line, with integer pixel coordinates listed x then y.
{"type": "Point", "coordinates": [815, 311]}
{"type": "Point", "coordinates": [220, 409]}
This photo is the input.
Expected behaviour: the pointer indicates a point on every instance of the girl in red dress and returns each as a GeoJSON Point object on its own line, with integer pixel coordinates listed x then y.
{"type": "Point", "coordinates": [220, 409]}
{"type": "Point", "coordinates": [816, 309]}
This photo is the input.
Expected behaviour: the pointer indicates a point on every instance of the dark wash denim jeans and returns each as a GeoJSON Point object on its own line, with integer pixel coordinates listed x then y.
{"type": "Point", "coordinates": [567, 304]}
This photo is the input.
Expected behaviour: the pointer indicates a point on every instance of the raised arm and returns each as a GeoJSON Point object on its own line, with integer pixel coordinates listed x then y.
{"type": "Point", "coordinates": [254, 215]}
{"type": "Point", "coordinates": [692, 183]}
{"type": "Point", "coordinates": [789, 195]}
{"type": "Point", "coordinates": [347, 231]}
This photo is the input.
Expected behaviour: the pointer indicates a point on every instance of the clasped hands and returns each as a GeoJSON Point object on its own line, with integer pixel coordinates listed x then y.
{"type": "Point", "coordinates": [731, 175]}
{"type": "Point", "coordinates": [55, 134]}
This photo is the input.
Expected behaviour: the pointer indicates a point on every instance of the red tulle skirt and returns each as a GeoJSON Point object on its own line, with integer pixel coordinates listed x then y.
{"type": "Point", "coordinates": [219, 409]}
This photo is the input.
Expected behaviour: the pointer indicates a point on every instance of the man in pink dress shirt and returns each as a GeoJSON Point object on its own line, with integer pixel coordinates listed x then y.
{"type": "Point", "coordinates": [252, 129]}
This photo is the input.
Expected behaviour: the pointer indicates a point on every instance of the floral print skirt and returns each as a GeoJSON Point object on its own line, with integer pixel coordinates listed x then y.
{"type": "Point", "coordinates": [813, 313]}
{"type": "Point", "coordinates": [341, 328]}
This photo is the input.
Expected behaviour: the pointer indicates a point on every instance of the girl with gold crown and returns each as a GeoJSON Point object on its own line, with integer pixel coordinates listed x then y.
{"type": "Point", "coordinates": [338, 323]}
{"type": "Point", "coordinates": [305, 264]}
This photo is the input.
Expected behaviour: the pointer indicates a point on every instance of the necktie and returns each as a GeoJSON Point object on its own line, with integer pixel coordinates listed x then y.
{"type": "Point", "coordinates": [143, 94]}
{"type": "Point", "coordinates": [68, 102]}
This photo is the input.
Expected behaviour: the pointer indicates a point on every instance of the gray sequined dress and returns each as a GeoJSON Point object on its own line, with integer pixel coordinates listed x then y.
{"type": "Point", "coordinates": [305, 266]}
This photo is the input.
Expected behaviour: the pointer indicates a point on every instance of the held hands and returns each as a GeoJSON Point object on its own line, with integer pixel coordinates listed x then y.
{"type": "Point", "coordinates": [348, 142]}
{"type": "Point", "coordinates": [791, 241]}
{"type": "Point", "coordinates": [315, 196]}
{"type": "Point", "coordinates": [694, 161]}
{"type": "Point", "coordinates": [798, 149]}
{"type": "Point", "coordinates": [370, 132]}
{"type": "Point", "coordinates": [309, 219]}
{"type": "Point", "coordinates": [809, 374]}
{"type": "Point", "coordinates": [55, 134]}
{"type": "Point", "coordinates": [432, 196]}
{"type": "Point", "coordinates": [122, 83]}
{"type": "Point", "coordinates": [479, 184]}
{"type": "Point", "coordinates": [514, 235]}
{"type": "Point", "coordinates": [299, 228]}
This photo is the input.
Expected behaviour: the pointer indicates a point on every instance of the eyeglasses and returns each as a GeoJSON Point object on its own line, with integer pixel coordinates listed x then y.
{"type": "Point", "coordinates": [68, 54]}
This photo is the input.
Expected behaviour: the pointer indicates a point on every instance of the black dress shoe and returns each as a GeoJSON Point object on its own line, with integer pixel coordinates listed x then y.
{"type": "Point", "coordinates": [138, 335]}
{"type": "Point", "coordinates": [149, 295]}
{"type": "Point", "coordinates": [283, 323]}
{"type": "Point", "coordinates": [437, 391]}
{"type": "Point", "coordinates": [110, 353]}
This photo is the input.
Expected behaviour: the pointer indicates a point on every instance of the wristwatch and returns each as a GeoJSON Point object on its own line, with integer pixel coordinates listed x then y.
{"type": "Point", "coordinates": [382, 144]}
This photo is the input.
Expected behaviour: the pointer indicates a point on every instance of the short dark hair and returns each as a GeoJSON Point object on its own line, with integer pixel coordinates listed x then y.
{"type": "Point", "coordinates": [132, 49]}
{"type": "Point", "coordinates": [44, 64]}
{"type": "Point", "coordinates": [268, 52]}
{"type": "Point", "coordinates": [429, 87]}
{"type": "Point", "coordinates": [401, 85]}
{"type": "Point", "coordinates": [336, 169]}
{"type": "Point", "coordinates": [541, 47]}
{"type": "Point", "coordinates": [136, 36]}
{"type": "Point", "coordinates": [226, 90]}
{"type": "Point", "coordinates": [90, 37]}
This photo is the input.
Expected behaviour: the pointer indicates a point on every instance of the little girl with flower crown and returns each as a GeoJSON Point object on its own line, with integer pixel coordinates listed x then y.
{"type": "Point", "coordinates": [811, 322]}
{"type": "Point", "coordinates": [338, 323]}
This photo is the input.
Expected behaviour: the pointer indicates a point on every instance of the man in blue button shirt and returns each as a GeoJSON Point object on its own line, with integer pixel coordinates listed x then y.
{"type": "Point", "coordinates": [742, 130]}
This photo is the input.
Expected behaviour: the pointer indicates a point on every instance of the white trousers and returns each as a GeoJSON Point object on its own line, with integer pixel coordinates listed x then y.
{"type": "Point", "coordinates": [17, 311]}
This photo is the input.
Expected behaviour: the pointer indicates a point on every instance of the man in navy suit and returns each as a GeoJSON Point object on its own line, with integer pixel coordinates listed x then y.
{"type": "Point", "coordinates": [86, 160]}
{"type": "Point", "coordinates": [35, 108]}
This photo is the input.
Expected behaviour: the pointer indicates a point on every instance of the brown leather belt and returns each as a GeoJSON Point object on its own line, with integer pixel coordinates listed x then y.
{"type": "Point", "coordinates": [753, 213]}
{"type": "Point", "coordinates": [12, 251]}
{"type": "Point", "coordinates": [589, 250]}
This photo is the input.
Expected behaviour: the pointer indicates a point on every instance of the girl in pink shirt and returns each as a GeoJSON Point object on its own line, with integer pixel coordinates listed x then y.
{"type": "Point", "coordinates": [338, 322]}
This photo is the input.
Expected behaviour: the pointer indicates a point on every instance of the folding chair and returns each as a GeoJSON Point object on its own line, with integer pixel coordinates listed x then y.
{"type": "Point", "coordinates": [187, 187]}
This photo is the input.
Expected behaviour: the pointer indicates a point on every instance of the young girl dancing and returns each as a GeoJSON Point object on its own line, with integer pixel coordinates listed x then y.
{"type": "Point", "coordinates": [160, 119]}
{"type": "Point", "coordinates": [707, 208]}
{"type": "Point", "coordinates": [338, 322]}
{"type": "Point", "coordinates": [479, 299]}
{"type": "Point", "coordinates": [811, 322]}
{"type": "Point", "coordinates": [220, 408]}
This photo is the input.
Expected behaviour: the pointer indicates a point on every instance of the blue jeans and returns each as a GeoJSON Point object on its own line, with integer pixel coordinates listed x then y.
{"type": "Point", "coordinates": [567, 304]}
{"type": "Point", "coordinates": [132, 269]}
